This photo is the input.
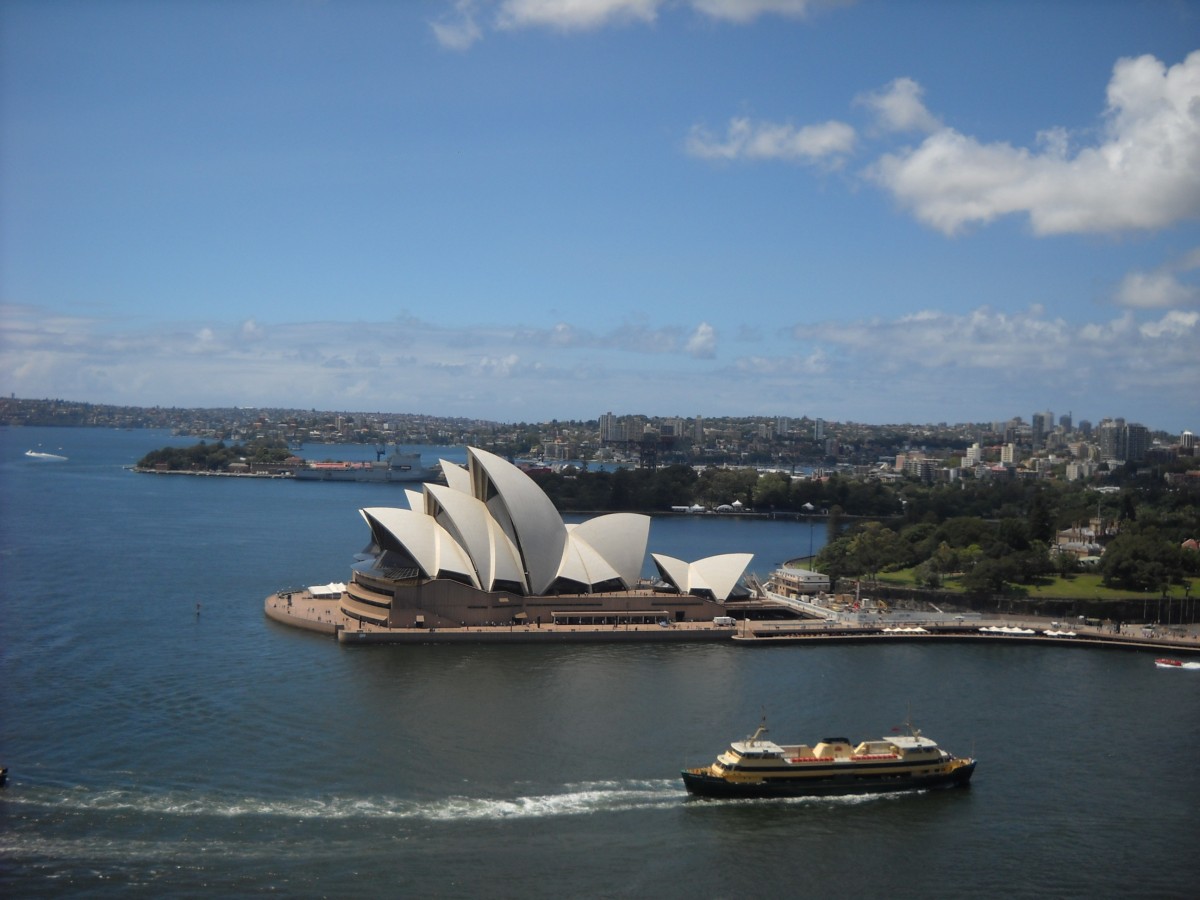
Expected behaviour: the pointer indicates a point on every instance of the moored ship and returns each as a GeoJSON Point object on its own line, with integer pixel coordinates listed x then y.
{"type": "Point", "coordinates": [399, 467]}
{"type": "Point", "coordinates": [756, 767]}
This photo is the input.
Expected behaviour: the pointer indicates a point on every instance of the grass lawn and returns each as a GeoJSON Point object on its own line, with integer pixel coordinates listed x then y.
{"type": "Point", "coordinates": [1082, 586]}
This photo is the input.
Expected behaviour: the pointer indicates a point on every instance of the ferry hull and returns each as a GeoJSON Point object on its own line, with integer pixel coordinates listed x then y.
{"type": "Point", "coordinates": [702, 783]}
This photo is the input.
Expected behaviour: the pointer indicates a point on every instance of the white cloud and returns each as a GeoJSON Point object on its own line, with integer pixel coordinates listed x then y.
{"type": "Point", "coordinates": [460, 27]}
{"type": "Point", "coordinates": [1175, 325]}
{"type": "Point", "coordinates": [497, 367]}
{"type": "Point", "coordinates": [748, 10]}
{"type": "Point", "coordinates": [898, 107]}
{"type": "Point", "coordinates": [1155, 290]}
{"type": "Point", "coordinates": [574, 15]}
{"type": "Point", "coordinates": [925, 366]}
{"type": "Point", "coordinates": [1144, 174]}
{"type": "Point", "coordinates": [827, 142]}
{"type": "Point", "coordinates": [702, 343]}
{"type": "Point", "coordinates": [1162, 288]}
{"type": "Point", "coordinates": [1026, 346]}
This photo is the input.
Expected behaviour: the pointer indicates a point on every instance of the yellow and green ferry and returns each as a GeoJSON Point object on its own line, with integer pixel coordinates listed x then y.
{"type": "Point", "coordinates": [756, 767]}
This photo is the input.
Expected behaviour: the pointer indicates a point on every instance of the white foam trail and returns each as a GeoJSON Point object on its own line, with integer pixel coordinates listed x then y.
{"type": "Point", "coordinates": [573, 800]}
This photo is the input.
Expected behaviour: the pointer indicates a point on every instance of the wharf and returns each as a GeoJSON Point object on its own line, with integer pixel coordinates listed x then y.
{"type": "Point", "coordinates": [1026, 630]}
{"type": "Point", "coordinates": [326, 617]}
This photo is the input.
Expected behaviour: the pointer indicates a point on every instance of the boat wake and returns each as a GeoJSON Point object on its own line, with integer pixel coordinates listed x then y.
{"type": "Point", "coordinates": [45, 457]}
{"type": "Point", "coordinates": [823, 801]}
{"type": "Point", "coordinates": [572, 800]}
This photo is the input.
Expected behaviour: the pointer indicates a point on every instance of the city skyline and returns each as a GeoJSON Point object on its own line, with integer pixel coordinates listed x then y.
{"type": "Point", "coordinates": [521, 211]}
{"type": "Point", "coordinates": [623, 427]}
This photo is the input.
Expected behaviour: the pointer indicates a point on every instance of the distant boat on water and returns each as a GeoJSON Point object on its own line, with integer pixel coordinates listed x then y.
{"type": "Point", "coordinates": [397, 467]}
{"type": "Point", "coordinates": [45, 457]}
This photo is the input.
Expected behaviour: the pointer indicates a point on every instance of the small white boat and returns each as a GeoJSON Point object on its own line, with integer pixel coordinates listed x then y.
{"type": "Point", "coordinates": [45, 457]}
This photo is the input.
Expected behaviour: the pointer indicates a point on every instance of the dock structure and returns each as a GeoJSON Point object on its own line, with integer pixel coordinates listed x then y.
{"type": "Point", "coordinates": [992, 629]}
{"type": "Point", "coordinates": [324, 615]}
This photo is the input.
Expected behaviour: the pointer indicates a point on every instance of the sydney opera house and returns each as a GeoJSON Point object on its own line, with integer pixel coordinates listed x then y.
{"type": "Point", "coordinates": [489, 548]}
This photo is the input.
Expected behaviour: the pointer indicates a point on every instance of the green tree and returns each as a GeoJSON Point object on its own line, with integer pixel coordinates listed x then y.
{"type": "Point", "coordinates": [875, 547]}
{"type": "Point", "coordinates": [1142, 561]}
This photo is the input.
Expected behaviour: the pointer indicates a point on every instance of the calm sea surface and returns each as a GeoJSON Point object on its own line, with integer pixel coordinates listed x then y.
{"type": "Point", "coordinates": [155, 750]}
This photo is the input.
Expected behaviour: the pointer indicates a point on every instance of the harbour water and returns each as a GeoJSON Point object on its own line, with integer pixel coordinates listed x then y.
{"type": "Point", "coordinates": [164, 738]}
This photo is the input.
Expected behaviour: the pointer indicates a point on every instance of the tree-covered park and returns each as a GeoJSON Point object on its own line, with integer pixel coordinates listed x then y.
{"type": "Point", "coordinates": [215, 457]}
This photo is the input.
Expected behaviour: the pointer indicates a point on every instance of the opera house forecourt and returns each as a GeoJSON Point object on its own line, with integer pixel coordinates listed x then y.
{"type": "Point", "coordinates": [486, 556]}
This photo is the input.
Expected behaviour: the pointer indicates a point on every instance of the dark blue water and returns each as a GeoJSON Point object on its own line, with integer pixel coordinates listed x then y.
{"type": "Point", "coordinates": [158, 751]}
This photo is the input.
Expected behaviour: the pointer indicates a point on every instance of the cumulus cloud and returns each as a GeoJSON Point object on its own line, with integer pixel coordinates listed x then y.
{"type": "Point", "coordinates": [1174, 325]}
{"type": "Point", "coordinates": [938, 364]}
{"type": "Point", "coordinates": [828, 142]}
{"type": "Point", "coordinates": [748, 10]}
{"type": "Point", "coordinates": [634, 336]}
{"type": "Point", "coordinates": [1143, 174]}
{"type": "Point", "coordinates": [702, 343]}
{"type": "Point", "coordinates": [984, 349]}
{"type": "Point", "coordinates": [459, 28]}
{"type": "Point", "coordinates": [572, 15]}
{"type": "Point", "coordinates": [1162, 288]}
{"type": "Point", "coordinates": [497, 366]}
{"type": "Point", "coordinates": [899, 107]}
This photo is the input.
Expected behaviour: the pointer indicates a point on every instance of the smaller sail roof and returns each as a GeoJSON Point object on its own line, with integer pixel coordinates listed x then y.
{"type": "Point", "coordinates": [715, 575]}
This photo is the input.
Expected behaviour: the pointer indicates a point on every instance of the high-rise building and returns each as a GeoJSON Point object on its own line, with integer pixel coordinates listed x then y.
{"type": "Point", "coordinates": [1137, 442]}
{"type": "Point", "coordinates": [612, 429]}
{"type": "Point", "coordinates": [1038, 430]}
{"type": "Point", "coordinates": [1110, 436]}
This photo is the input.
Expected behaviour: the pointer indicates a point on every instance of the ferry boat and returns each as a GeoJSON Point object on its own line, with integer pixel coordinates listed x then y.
{"type": "Point", "coordinates": [756, 767]}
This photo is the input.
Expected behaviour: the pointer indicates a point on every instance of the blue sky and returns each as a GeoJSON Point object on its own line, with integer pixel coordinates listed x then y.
{"type": "Point", "coordinates": [533, 209]}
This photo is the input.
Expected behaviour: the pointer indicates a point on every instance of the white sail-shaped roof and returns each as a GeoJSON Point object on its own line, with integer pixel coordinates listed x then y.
{"type": "Point", "coordinates": [717, 575]}
{"type": "Point", "coordinates": [524, 512]}
{"type": "Point", "coordinates": [581, 563]}
{"type": "Point", "coordinates": [673, 571]}
{"type": "Point", "coordinates": [620, 538]}
{"type": "Point", "coordinates": [720, 574]}
{"type": "Point", "coordinates": [456, 476]}
{"type": "Point", "coordinates": [431, 547]}
{"type": "Point", "coordinates": [491, 525]}
{"type": "Point", "coordinates": [492, 554]}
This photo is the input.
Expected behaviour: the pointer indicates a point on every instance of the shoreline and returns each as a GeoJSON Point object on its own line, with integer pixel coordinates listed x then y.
{"type": "Point", "coordinates": [324, 616]}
